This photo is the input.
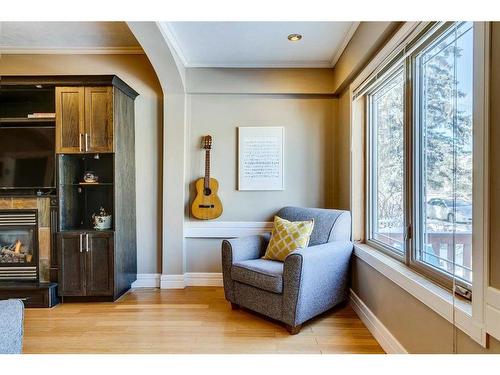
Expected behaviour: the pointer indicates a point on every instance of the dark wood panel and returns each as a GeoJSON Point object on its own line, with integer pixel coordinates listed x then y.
{"type": "Point", "coordinates": [125, 205]}
{"type": "Point", "coordinates": [79, 80]}
{"type": "Point", "coordinates": [99, 264]}
{"type": "Point", "coordinates": [72, 267]}
{"type": "Point", "coordinates": [99, 119]}
{"type": "Point", "coordinates": [54, 260]}
{"type": "Point", "coordinates": [69, 119]}
{"type": "Point", "coordinates": [32, 294]}
{"type": "Point", "coordinates": [16, 104]}
{"type": "Point", "coordinates": [79, 202]}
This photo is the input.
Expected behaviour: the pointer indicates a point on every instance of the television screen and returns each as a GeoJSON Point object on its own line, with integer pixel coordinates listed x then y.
{"type": "Point", "coordinates": [27, 158]}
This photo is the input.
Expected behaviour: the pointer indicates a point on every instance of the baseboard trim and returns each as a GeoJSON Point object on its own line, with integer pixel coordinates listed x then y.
{"type": "Point", "coordinates": [172, 282]}
{"type": "Point", "coordinates": [384, 337]}
{"type": "Point", "coordinates": [190, 279]}
{"type": "Point", "coordinates": [147, 280]}
{"type": "Point", "coordinates": [203, 279]}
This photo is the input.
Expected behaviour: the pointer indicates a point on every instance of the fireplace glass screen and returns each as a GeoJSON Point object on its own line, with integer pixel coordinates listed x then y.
{"type": "Point", "coordinates": [16, 246]}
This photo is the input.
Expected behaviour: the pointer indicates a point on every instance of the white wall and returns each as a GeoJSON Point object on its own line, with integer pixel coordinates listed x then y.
{"type": "Point", "coordinates": [136, 71]}
{"type": "Point", "coordinates": [171, 76]}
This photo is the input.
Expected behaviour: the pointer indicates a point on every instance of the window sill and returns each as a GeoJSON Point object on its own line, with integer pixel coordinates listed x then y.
{"type": "Point", "coordinates": [440, 300]}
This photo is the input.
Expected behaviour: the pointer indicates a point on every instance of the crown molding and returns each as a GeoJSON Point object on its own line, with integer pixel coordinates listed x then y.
{"type": "Point", "coordinates": [7, 50]}
{"type": "Point", "coordinates": [262, 64]}
{"type": "Point", "coordinates": [345, 42]}
{"type": "Point", "coordinates": [169, 35]}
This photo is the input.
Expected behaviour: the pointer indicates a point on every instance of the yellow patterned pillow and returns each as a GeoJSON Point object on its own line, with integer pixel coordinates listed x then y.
{"type": "Point", "coordinates": [288, 236]}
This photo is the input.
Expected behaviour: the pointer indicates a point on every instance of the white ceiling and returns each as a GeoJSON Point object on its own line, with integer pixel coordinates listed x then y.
{"type": "Point", "coordinates": [26, 37]}
{"type": "Point", "coordinates": [258, 44]}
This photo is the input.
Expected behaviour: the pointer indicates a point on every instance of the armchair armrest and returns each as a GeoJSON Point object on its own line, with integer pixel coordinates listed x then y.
{"type": "Point", "coordinates": [237, 250]}
{"type": "Point", "coordinates": [245, 248]}
{"type": "Point", "coordinates": [315, 279]}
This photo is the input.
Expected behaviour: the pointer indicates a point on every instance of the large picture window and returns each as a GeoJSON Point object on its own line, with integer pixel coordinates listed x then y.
{"type": "Point", "coordinates": [419, 157]}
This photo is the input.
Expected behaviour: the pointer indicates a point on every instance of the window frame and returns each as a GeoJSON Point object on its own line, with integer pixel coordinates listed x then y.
{"type": "Point", "coordinates": [392, 72]}
{"type": "Point", "coordinates": [445, 279]}
{"type": "Point", "coordinates": [412, 174]}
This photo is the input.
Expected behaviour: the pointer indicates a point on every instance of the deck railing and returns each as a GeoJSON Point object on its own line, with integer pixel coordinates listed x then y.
{"type": "Point", "coordinates": [439, 251]}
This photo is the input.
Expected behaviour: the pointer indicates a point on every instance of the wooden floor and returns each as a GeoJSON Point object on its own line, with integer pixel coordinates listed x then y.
{"type": "Point", "coordinates": [193, 320]}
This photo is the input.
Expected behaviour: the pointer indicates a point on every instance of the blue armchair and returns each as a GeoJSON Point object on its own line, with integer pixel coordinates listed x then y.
{"type": "Point", "coordinates": [309, 282]}
{"type": "Point", "coordinates": [11, 326]}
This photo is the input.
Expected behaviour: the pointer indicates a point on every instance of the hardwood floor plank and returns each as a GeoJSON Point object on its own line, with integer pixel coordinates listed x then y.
{"type": "Point", "coordinates": [192, 320]}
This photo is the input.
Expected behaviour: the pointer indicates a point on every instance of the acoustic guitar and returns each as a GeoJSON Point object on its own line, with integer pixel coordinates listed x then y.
{"type": "Point", "coordinates": [206, 204]}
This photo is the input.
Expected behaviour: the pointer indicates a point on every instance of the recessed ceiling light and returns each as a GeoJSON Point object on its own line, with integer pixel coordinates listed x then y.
{"type": "Point", "coordinates": [294, 37]}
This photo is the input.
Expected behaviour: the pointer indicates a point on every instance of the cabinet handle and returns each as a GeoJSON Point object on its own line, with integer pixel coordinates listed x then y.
{"type": "Point", "coordinates": [80, 146]}
{"type": "Point", "coordinates": [81, 241]}
{"type": "Point", "coordinates": [87, 242]}
{"type": "Point", "coordinates": [86, 141]}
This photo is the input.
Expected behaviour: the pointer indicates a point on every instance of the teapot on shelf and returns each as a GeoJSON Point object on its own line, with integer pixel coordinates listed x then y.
{"type": "Point", "coordinates": [102, 220]}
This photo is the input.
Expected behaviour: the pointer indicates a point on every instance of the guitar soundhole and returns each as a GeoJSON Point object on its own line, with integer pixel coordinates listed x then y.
{"type": "Point", "coordinates": [207, 191]}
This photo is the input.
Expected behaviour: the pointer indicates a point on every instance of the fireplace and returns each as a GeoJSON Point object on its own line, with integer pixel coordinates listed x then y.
{"type": "Point", "coordinates": [18, 245]}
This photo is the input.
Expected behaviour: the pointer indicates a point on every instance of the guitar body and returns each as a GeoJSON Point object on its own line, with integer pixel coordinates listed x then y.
{"type": "Point", "coordinates": [206, 205]}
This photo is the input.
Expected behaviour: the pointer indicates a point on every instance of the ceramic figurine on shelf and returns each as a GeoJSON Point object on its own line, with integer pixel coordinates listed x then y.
{"type": "Point", "coordinates": [90, 177]}
{"type": "Point", "coordinates": [101, 221]}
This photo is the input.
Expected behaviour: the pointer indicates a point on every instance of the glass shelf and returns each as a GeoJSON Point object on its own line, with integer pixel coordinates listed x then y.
{"type": "Point", "coordinates": [87, 184]}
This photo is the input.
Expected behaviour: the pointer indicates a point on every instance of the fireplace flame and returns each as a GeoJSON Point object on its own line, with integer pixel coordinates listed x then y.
{"type": "Point", "coordinates": [17, 247]}
{"type": "Point", "coordinates": [15, 253]}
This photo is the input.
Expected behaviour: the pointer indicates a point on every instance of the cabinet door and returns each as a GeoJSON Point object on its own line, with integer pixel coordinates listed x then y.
{"type": "Point", "coordinates": [98, 119]}
{"type": "Point", "coordinates": [72, 264]}
{"type": "Point", "coordinates": [99, 264]}
{"type": "Point", "coordinates": [70, 119]}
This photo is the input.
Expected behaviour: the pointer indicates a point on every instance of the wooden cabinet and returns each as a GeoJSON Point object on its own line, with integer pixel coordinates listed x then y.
{"type": "Point", "coordinates": [99, 264]}
{"type": "Point", "coordinates": [86, 264]}
{"type": "Point", "coordinates": [71, 264]}
{"type": "Point", "coordinates": [84, 119]}
{"type": "Point", "coordinates": [70, 119]}
{"type": "Point", "coordinates": [94, 115]}
{"type": "Point", "coordinates": [99, 119]}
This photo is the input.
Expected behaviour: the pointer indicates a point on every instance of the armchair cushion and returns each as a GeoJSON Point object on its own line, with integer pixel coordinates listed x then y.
{"type": "Point", "coordinates": [288, 236]}
{"type": "Point", "coordinates": [260, 273]}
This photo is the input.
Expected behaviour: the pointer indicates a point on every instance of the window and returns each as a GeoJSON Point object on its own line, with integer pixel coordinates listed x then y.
{"type": "Point", "coordinates": [443, 119]}
{"type": "Point", "coordinates": [386, 111]}
{"type": "Point", "coordinates": [419, 156]}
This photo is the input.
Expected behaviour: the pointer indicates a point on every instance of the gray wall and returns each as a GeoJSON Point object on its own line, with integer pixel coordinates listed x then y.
{"type": "Point", "coordinates": [341, 132]}
{"type": "Point", "coordinates": [220, 100]}
{"type": "Point", "coordinates": [307, 122]}
{"type": "Point", "coordinates": [203, 254]}
{"type": "Point", "coordinates": [140, 75]}
{"type": "Point", "coordinates": [495, 156]}
{"type": "Point", "coordinates": [365, 43]}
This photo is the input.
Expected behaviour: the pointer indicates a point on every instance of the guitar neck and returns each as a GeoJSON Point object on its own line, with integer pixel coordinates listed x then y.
{"type": "Point", "coordinates": [207, 168]}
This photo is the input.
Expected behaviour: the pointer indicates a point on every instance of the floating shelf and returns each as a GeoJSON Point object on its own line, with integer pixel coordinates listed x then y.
{"type": "Point", "coordinates": [86, 184]}
{"type": "Point", "coordinates": [85, 229]}
{"type": "Point", "coordinates": [95, 184]}
{"type": "Point", "coordinates": [24, 120]}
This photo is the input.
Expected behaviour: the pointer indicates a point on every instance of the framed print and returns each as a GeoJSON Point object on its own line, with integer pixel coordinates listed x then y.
{"type": "Point", "coordinates": [260, 158]}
